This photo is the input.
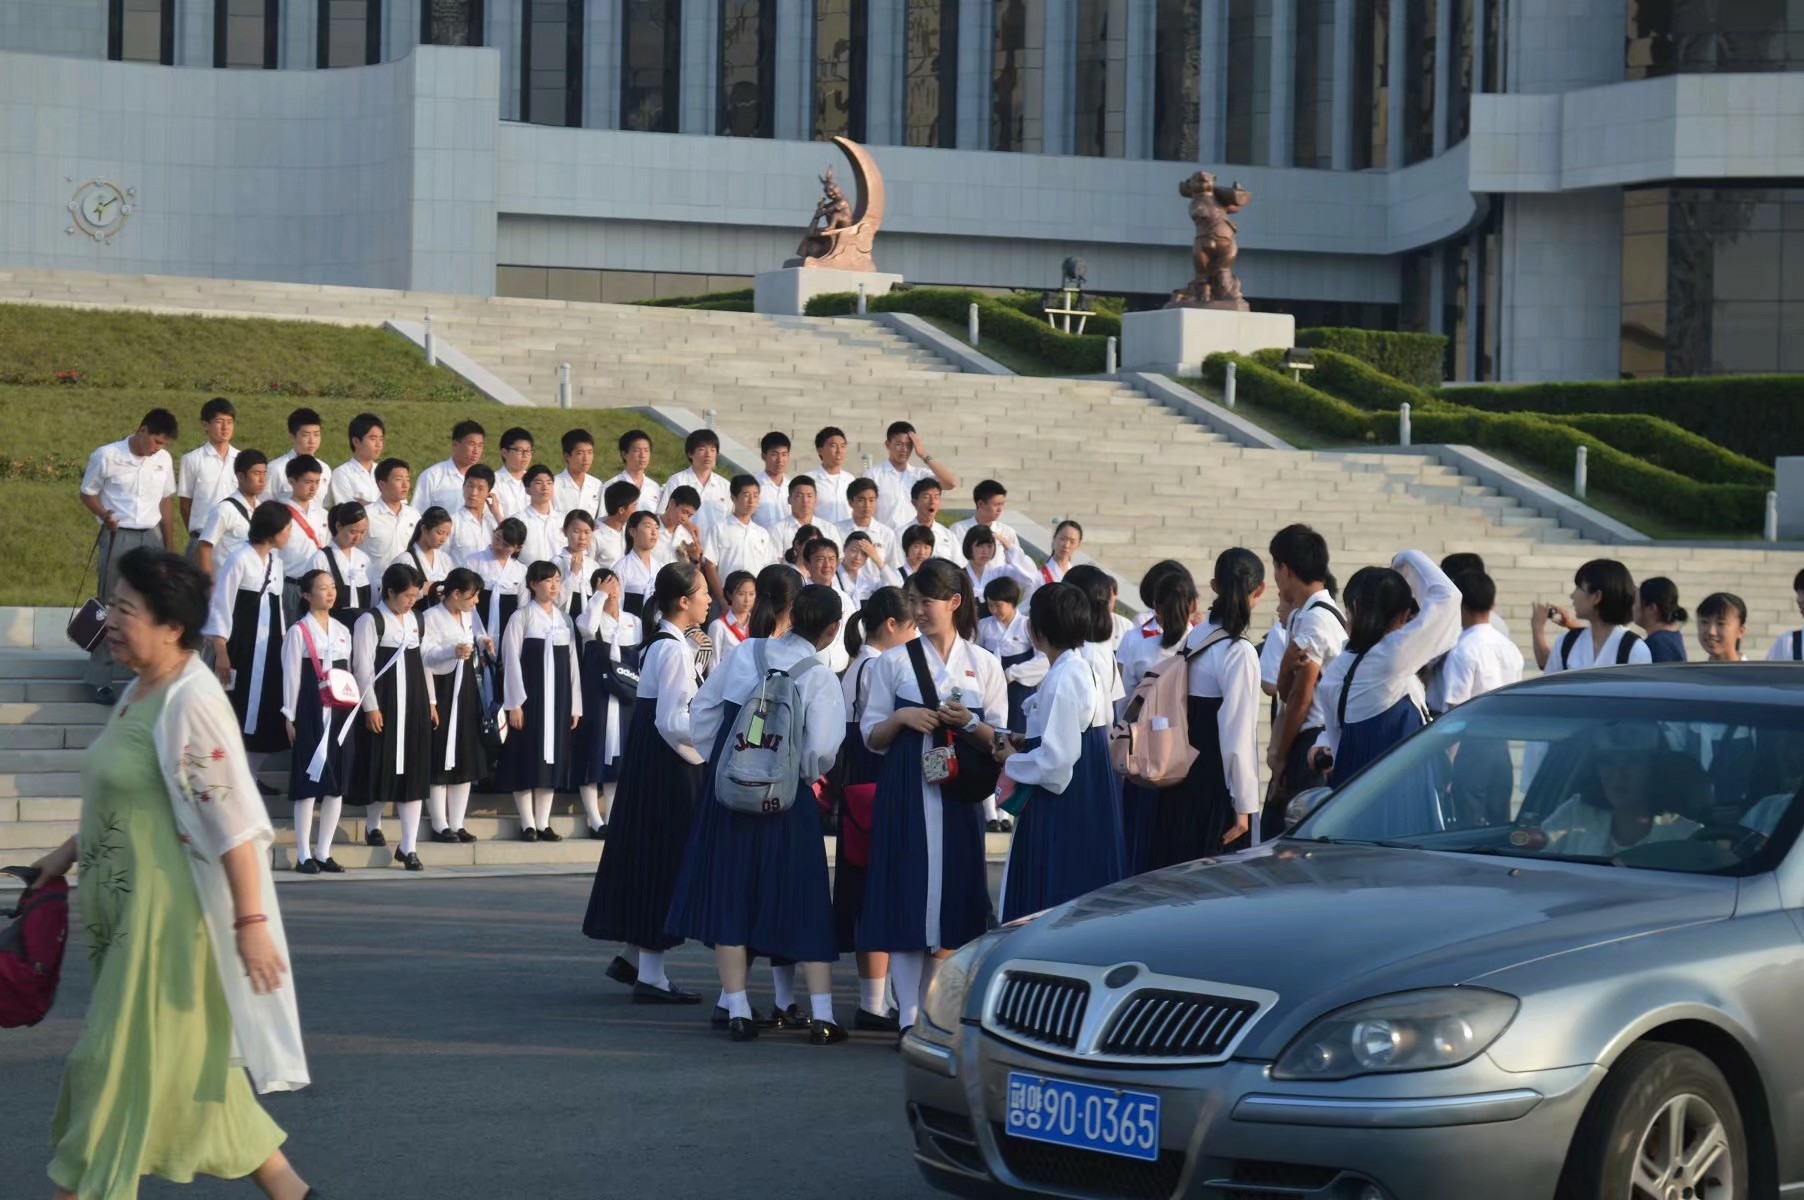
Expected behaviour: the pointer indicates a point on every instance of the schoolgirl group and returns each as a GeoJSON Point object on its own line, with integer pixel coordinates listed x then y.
{"type": "Point", "coordinates": [636, 619]}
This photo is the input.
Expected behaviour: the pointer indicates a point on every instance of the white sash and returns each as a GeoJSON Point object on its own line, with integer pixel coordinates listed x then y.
{"type": "Point", "coordinates": [457, 691]}
{"type": "Point", "coordinates": [260, 652]}
{"type": "Point", "coordinates": [316, 765]}
{"type": "Point", "coordinates": [400, 695]}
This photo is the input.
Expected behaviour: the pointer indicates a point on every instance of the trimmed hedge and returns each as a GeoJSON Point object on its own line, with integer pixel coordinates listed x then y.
{"type": "Point", "coordinates": [1365, 386]}
{"type": "Point", "coordinates": [1277, 391]}
{"type": "Point", "coordinates": [1079, 354]}
{"type": "Point", "coordinates": [1761, 416]}
{"type": "Point", "coordinates": [1418, 358]}
{"type": "Point", "coordinates": [717, 301]}
{"type": "Point", "coordinates": [1658, 441]}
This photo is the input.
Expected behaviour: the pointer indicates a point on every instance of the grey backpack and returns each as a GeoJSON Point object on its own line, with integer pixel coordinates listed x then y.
{"type": "Point", "coordinates": [760, 765]}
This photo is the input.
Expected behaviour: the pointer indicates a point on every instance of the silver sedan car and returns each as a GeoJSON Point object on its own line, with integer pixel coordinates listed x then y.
{"type": "Point", "coordinates": [1551, 946]}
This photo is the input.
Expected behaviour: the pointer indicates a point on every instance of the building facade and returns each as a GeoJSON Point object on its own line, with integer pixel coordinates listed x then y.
{"type": "Point", "coordinates": [1568, 188]}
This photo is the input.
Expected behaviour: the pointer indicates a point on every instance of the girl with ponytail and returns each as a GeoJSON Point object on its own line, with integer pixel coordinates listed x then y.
{"type": "Point", "coordinates": [1215, 804]}
{"type": "Point", "coordinates": [1172, 615]}
{"type": "Point", "coordinates": [1659, 613]}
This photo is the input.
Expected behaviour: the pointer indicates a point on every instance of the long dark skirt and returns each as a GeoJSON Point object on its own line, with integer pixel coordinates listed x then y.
{"type": "Point", "coordinates": [862, 765]}
{"type": "Point", "coordinates": [754, 880]}
{"type": "Point", "coordinates": [523, 766]}
{"type": "Point", "coordinates": [408, 733]}
{"type": "Point", "coordinates": [1192, 816]}
{"type": "Point", "coordinates": [459, 718]}
{"type": "Point", "coordinates": [1412, 804]}
{"type": "Point", "coordinates": [896, 916]}
{"type": "Point", "coordinates": [1139, 812]}
{"type": "Point", "coordinates": [270, 733]}
{"type": "Point", "coordinates": [589, 759]}
{"type": "Point", "coordinates": [648, 828]}
{"type": "Point", "coordinates": [1070, 843]}
{"type": "Point", "coordinates": [310, 727]}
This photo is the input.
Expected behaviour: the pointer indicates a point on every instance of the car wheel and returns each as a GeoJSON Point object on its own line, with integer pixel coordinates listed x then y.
{"type": "Point", "coordinates": [1664, 1126]}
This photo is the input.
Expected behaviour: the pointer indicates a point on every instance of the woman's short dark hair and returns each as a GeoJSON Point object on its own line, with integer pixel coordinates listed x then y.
{"type": "Point", "coordinates": [175, 590]}
{"type": "Point", "coordinates": [348, 513]}
{"type": "Point", "coordinates": [399, 577]}
{"type": "Point", "coordinates": [462, 579]}
{"type": "Point", "coordinates": [735, 581]}
{"type": "Point", "coordinates": [540, 571]}
{"type": "Point", "coordinates": [1376, 597]}
{"type": "Point", "coordinates": [1721, 604]}
{"type": "Point", "coordinates": [1614, 586]}
{"type": "Point", "coordinates": [512, 532]}
{"type": "Point", "coordinates": [429, 520]}
{"type": "Point", "coordinates": [268, 521]}
{"type": "Point", "coordinates": [674, 583]}
{"type": "Point", "coordinates": [916, 535]}
{"type": "Point", "coordinates": [815, 610]}
{"type": "Point", "coordinates": [978, 535]}
{"type": "Point", "coordinates": [1061, 616]}
{"type": "Point", "coordinates": [1154, 580]}
{"type": "Point", "coordinates": [1100, 588]}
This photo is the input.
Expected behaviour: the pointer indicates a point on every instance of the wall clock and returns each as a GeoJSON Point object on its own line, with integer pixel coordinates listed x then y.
{"type": "Point", "coordinates": [99, 209]}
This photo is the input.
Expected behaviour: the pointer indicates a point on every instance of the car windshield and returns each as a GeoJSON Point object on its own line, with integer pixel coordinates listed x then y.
{"type": "Point", "coordinates": [1630, 783]}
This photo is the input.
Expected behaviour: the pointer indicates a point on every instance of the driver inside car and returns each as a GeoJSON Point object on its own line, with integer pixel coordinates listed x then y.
{"type": "Point", "coordinates": [1617, 808]}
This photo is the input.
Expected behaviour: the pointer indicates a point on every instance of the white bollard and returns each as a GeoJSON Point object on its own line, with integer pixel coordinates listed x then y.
{"type": "Point", "coordinates": [713, 418]}
{"type": "Point", "coordinates": [1403, 424]}
{"type": "Point", "coordinates": [1109, 358]}
{"type": "Point", "coordinates": [861, 299]}
{"type": "Point", "coordinates": [563, 385]}
{"type": "Point", "coordinates": [1227, 387]}
{"type": "Point", "coordinates": [971, 323]}
{"type": "Point", "coordinates": [431, 348]}
{"type": "Point", "coordinates": [865, 465]}
{"type": "Point", "coordinates": [1580, 471]}
{"type": "Point", "coordinates": [1772, 516]}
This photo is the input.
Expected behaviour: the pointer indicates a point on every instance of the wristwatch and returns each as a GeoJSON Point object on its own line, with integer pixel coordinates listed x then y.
{"type": "Point", "coordinates": [971, 725]}
{"type": "Point", "coordinates": [928, 459]}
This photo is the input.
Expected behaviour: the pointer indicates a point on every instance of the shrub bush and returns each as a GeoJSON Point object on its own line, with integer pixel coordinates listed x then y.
{"type": "Point", "coordinates": [1415, 358]}
{"type": "Point", "coordinates": [1084, 354]}
{"type": "Point", "coordinates": [1365, 386]}
{"type": "Point", "coordinates": [1658, 441]}
{"type": "Point", "coordinates": [1271, 389]}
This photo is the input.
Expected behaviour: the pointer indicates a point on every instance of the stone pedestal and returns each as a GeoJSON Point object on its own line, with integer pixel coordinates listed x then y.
{"type": "Point", "coordinates": [1789, 480]}
{"type": "Point", "coordinates": [787, 291]}
{"type": "Point", "coordinates": [1175, 341]}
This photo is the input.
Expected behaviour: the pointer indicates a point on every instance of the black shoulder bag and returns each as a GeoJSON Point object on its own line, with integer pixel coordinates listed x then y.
{"type": "Point", "coordinates": [974, 772]}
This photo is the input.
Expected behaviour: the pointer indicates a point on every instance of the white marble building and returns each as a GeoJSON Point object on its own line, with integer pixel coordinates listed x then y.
{"type": "Point", "coordinates": [1564, 191]}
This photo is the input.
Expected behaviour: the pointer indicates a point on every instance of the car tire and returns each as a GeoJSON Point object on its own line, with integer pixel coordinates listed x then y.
{"type": "Point", "coordinates": [1617, 1139]}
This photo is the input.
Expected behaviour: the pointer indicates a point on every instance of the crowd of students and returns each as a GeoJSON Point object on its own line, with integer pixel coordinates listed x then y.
{"type": "Point", "coordinates": [410, 638]}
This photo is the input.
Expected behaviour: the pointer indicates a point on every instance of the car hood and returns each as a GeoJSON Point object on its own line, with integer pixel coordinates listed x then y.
{"type": "Point", "coordinates": [1325, 925]}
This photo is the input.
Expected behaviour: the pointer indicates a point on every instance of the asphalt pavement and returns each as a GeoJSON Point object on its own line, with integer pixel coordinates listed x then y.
{"type": "Point", "coordinates": [464, 1043]}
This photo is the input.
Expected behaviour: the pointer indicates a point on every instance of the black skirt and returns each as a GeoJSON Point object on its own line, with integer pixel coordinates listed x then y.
{"type": "Point", "coordinates": [311, 725]}
{"type": "Point", "coordinates": [523, 766]}
{"type": "Point", "coordinates": [269, 733]}
{"type": "Point", "coordinates": [406, 737]}
{"type": "Point", "coordinates": [1192, 815]}
{"type": "Point", "coordinates": [648, 829]}
{"type": "Point", "coordinates": [459, 719]}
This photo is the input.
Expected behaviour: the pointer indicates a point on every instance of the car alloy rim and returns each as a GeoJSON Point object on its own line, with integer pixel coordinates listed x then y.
{"type": "Point", "coordinates": [1684, 1154]}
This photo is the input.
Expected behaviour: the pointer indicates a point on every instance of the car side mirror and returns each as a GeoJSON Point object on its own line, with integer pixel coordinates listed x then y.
{"type": "Point", "coordinates": [1304, 803]}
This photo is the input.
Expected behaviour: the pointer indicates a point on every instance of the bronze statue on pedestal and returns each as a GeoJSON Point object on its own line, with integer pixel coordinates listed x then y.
{"type": "Point", "coordinates": [841, 236]}
{"type": "Point", "coordinates": [1216, 246]}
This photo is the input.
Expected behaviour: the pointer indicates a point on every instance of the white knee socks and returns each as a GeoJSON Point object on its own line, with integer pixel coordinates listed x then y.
{"type": "Point", "coordinates": [303, 830]}
{"type": "Point", "coordinates": [541, 801]}
{"type": "Point", "coordinates": [329, 810]}
{"type": "Point", "coordinates": [591, 797]}
{"type": "Point", "coordinates": [907, 971]}
{"type": "Point", "coordinates": [372, 818]}
{"type": "Point", "coordinates": [457, 804]}
{"type": "Point", "coordinates": [435, 806]}
{"type": "Point", "coordinates": [821, 1008]}
{"type": "Point", "coordinates": [651, 969]}
{"type": "Point", "coordinates": [783, 983]}
{"type": "Point", "coordinates": [523, 809]}
{"type": "Point", "coordinates": [870, 995]}
{"type": "Point", "coordinates": [410, 825]}
{"type": "Point", "coordinates": [989, 809]}
{"type": "Point", "coordinates": [736, 1004]}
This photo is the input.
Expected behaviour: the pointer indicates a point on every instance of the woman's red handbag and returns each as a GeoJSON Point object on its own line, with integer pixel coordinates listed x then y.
{"type": "Point", "coordinates": [31, 955]}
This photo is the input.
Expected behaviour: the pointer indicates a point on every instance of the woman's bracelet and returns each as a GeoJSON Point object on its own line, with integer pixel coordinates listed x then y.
{"type": "Point", "coordinates": [243, 923]}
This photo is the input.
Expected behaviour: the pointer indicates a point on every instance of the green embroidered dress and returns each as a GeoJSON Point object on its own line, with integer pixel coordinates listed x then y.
{"type": "Point", "coordinates": [150, 1088]}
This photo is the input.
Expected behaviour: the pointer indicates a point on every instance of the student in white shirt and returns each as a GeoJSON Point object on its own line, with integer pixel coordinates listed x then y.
{"type": "Point", "coordinates": [503, 574]}
{"type": "Point", "coordinates": [442, 484]}
{"type": "Point", "coordinates": [321, 762]}
{"type": "Point", "coordinates": [895, 478]}
{"type": "Point", "coordinates": [638, 567]}
{"type": "Point", "coordinates": [860, 573]}
{"type": "Point", "coordinates": [821, 557]}
{"type": "Point", "coordinates": [990, 498]}
{"type": "Point", "coordinates": [510, 481]}
{"type": "Point", "coordinates": [128, 486]}
{"type": "Point", "coordinates": [574, 487]}
{"type": "Point", "coordinates": [1005, 634]}
{"type": "Point", "coordinates": [346, 562]}
{"type": "Point", "coordinates": [542, 518]}
{"type": "Point", "coordinates": [635, 457]}
{"type": "Point", "coordinates": [887, 541]}
{"type": "Point", "coordinates": [310, 535]}
{"type": "Point", "coordinates": [230, 519]}
{"type": "Point", "coordinates": [830, 481]}
{"type": "Point", "coordinates": [304, 431]}
{"type": "Point", "coordinates": [803, 510]}
{"type": "Point", "coordinates": [206, 476]}
{"type": "Point", "coordinates": [452, 637]}
{"type": "Point", "coordinates": [1160, 635]}
{"type": "Point", "coordinates": [1141, 644]}
{"type": "Point", "coordinates": [678, 538]}
{"type": "Point", "coordinates": [736, 542]}
{"type": "Point", "coordinates": [760, 882]}
{"type": "Point", "coordinates": [543, 699]}
{"type": "Point", "coordinates": [473, 521]}
{"type": "Point", "coordinates": [392, 518]}
{"type": "Point", "coordinates": [400, 709]}
{"type": "Point", "coordinates": [926, 516]}
{"type": "Point", "coordinates": [427, 554]}
{"type": "Point", "coordinates": [611, 635]}
{"type": "Point", "coordinates": [1099, 649]}
{"type": "Point", "coordinates": [1603, 596]}
{"type": "Point", "coordinates": [1057, 772]}
{"type": "Point", "coordinates": [618, 503]}
{"type": "Point", "coordinates": [1067, 537]}
{"type": "Point", "coordinates": [245, 621]}
{"type": "Point", "coordinates": [654, 805]}
{"type": "Point", "coordinates": [355, 478]}
{"type": "Point", "coordinates": [702, 448]}
{"type": "Point", "coordinates": [773, 480]}
{"type": "Point", "coordinates": [576, 563]}
{"type": "Point", "coordinates": [984, 562]}
{"type": "Point", "coordinates": [733, 626]}
{"type": "Point", "coordinates": [917, 548]}
{"type": "Point", "coordinates": [1483, 659]}
{"type": "Point", "coordinates": [1318, 632]}
{"type": "Point", "coordinates": [1722, 622]}
{"type": "Point", "coordinates": [1789, 646]}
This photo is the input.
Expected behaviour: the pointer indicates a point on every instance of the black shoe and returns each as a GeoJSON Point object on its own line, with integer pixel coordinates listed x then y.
{"type": "Point", "coordinates": [1007, 823]}
{"type": "Point", "coordinates": [719, 1019]}
{"type": "Point", "coordinates": [445, 836]}
{"type": "Point", "coordinates": [308, 867]}
{"type": "Point", "coordinates": [599, 833]}
{"type": "Point", "coordinates": [742, 1029]}
{"type": "Point", "coordinates": [373, 837]}
{"type": "Point", "coordinates": [529, 834]}
{"type": "Point", "coordinates": [826, 1033]}
{"type": "Point", "coordinates": [410, 861]}
{"type": "Point", "coordinates": [330, 866]}
{"type": "Point", "coordinates": [790, 1019]}
{"type": "Point", "coordinates": [466, 837]}
{"type": "Point", "coordinates": [992, 826]}
{"type": "Point", "coordinates": [550, 835]}
{"type": "Point", "coordinates": [621, 971]}
{"type": "Point", "coordinates": [645, 993]}
{"type": "Point", "coordinates": [104, 695]}
{"type": "Point", "coordinates": [866, 1021]}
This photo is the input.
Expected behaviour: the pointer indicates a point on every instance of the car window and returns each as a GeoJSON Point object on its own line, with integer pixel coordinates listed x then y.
{"type": "Point", "coordinates": [1635, 784]}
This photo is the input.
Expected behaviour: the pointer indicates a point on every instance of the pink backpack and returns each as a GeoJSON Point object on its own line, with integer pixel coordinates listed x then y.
{"type": "Point", "coordinates": [31, 955]}
{"type": "Point", "coordinates": [1150, 744]}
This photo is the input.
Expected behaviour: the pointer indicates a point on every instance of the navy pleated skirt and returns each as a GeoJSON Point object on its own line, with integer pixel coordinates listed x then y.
{"type": "Point", "coordinates": [523, 766]}
{"type": "Point", "coordinates": [896, 883]}
{"type": "Point", "coordinates": [310, 725]}
{"type": "Point", "coordinates": [1412, 804]}
{"type": "Point", "coordinates": [1139, 812]}
{"type": "Point", "coordinates": [1067, 844]}
{"type": "Point", "coordinates": [1191, 817]}
{"type": "Point", "coordinates": [648, 827]}
{"type": "Point", "coordinates": [589, 761]}
{"type": "Point", "coordinates": [462, 720]}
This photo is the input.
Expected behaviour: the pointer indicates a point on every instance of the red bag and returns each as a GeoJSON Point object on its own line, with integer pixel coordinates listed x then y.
{"type": "Point", "coordinates": [856, 802]}
{"type": "Point", "coordinates": [31, 955]}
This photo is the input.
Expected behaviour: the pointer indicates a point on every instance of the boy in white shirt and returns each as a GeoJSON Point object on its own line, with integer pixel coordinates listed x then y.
{"type": "Point", "coordinates": [442, 484]}
{"type": "Point", "coordinates": [702, 448]}
{"type": "Point", "coordinates": [543, 520]}
{"type": "Point", "coordinates": [831, 483]}
{"type": "Point", "coordinates": [773, 480]}
{"type": "Point", "coordinates": [926, 497]}
{"type": "Point", "coordinates": [821, 557]}
{"type": "Point", "coordinates": [392, 518]}
{"type": "Point", "coordinates": [574, 486]}
{"type": "Point", "coordinates": [206, 476]}
{"type": "Point", "coordinates": [1789, 647]}
{"type": "Point", "coordinates": [635, 457]}
{"type": "Point", "coordinates": [1483, 659]}
{"type": "Point", "coordinates": [473, 522]}
{"type": "Point", "coordinates": [802, 511]}
{"type": "Point", "coordinates": [862, 496]}
{"type": "Point", "coordinates": [304, 431]}
{"type": "Point", "coordinates": [129, 488]}
{"type": "Point", "coordinates": [895, 478]}
{"type": "Point", "coordinates": [610, 532]}
{"type": "Point", "coordinates": [311, 533]}
{"type": "Point", "coordinates": [229, 524]}
{"type": "Point", "coordinates": [1318, 633]}
{"type": "Point", "coordinates": [355, 479]}
{"type": "Point", "coordinates": [737, 542]}
{"type": "Point", "coordinates": [510, 481]}
{"type": "Point", "coordinates": [990, 497]}
{"type": "Point", "coordinates": [676, 529]}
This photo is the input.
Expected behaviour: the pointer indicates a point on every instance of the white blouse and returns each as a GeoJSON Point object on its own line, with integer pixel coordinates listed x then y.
{"type": "Point", "coordinates": [498, 579]}
{"type": "Point", "coordinates": [1101, 657]}
{"type": "Point", "coordinates": [638, 576]}
{"type": "Point", "coordinates": [544, 535]}
{"type": "Point", "coordinates": [303, 549]}
{"type": "Point", "coordinates": [471, 534]}
{"type": "Point", "coordinates": [353, 568]}
{"type": "Point", "coordinates": [726, 641]}
{"type": "Point", "coordinates": [1057, 714]}
{"type": "Point", "coordinates": [433, 564]}
{"type": "Point", "coordinates": [554, 628]}
{"type": "Point", "coordinates": [333, 642]}
{"type": "Point", "coordinates": [443, 631]}
{"type": "Point", "coordinates": [397, 633]}
{"type": "Point", "coordinates": [598, 624]}
{"type": "Point", "coordinates": [576, 576]}
{"type": "Point", "coordinates": [1009, 642]}
{"type": "Point", "coordinates": [667, 674]}
{"type": "Point", "coordinates": [1230, 669]}
{"type": "Point", "coordinates": [246, 571]}
{"type": "Point", "coordinates": [971, 671]}
{"type": "Point", "coordinates": [823, 710]}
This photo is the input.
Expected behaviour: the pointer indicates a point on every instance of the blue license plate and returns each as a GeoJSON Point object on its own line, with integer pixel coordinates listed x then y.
{"type": "Point", "coordinates": [1081, 1115]}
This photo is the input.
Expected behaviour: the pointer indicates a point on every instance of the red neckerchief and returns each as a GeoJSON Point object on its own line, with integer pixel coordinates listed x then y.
{"type": "Point", "coordinates": [305, 527]}
{"type": "Point", "coordinates": [739, 634]}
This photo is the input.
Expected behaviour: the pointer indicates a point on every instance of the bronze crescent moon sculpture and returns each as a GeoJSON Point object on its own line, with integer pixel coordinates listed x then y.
{"type": "Point", "coordinates": [840, 236]}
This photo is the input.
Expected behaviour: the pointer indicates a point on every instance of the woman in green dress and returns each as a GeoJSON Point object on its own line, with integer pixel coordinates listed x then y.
{"type": "Point", "coordinates": [188, 951]}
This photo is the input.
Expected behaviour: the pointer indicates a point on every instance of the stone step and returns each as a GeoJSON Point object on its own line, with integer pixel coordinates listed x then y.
{"type": "Point", "coordinates": [48, 737]}
{"type": "Point", "coordinates": [41, 692]}
{"type": "Point", "coordinates": [52, 714]}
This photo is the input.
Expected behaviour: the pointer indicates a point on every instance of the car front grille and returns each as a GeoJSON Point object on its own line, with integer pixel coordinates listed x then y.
{"type": "Point", "coordinates": [1087, 1173]}
{"type": "Point", "coordinates": [1154, 1023]}
{"type": "Point", "coordinates": [1043, 1008]}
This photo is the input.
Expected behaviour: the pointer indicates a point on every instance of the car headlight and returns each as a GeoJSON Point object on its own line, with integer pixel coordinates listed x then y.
{"type": "Point", "coordinates": [945, 1003]}
{"type": "Point", "coordinates": [1408, 1031]}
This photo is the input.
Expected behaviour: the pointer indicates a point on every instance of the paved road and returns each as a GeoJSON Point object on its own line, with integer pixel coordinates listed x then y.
{"type": "Point", "coordinates": [465, 1044]}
